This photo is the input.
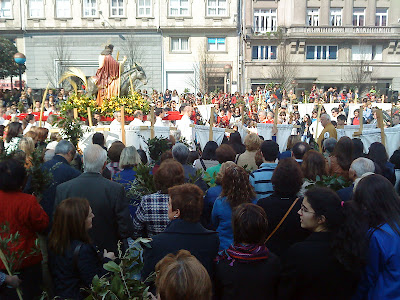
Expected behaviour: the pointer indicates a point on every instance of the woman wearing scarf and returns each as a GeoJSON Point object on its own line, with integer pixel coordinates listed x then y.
{"type": "Point", "coordinates": [247, 269]}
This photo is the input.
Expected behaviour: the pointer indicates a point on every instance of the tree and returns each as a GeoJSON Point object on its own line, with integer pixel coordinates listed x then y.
{"type": "Point", "coordinates": [203, 70]}
{"type": "Point", "coordinates": [60, 57]}
{"type": "Point", "coordinates": [133, 50]}
{"type": "Point", "coordinates": [284, 71]}
{"type": "Point", "coordinates": [8, 67]}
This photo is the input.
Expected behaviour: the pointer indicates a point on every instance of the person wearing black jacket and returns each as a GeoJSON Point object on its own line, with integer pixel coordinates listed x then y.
{"type": "Point", "coordinates": [287, 180]}
{"type": "Point", "coordinates": [247, 269]}
{"type": "Point", "coordinates": [327, 265]}
{"type": "Point", "coordinates": [74, 261]}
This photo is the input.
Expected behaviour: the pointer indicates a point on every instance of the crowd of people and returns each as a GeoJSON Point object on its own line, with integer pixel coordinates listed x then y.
{"type": "Point", "coordinates": [257, 224]}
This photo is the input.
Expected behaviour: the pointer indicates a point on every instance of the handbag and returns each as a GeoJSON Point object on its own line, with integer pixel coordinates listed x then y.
{"type": "Point", "coordinates": [282, 220]}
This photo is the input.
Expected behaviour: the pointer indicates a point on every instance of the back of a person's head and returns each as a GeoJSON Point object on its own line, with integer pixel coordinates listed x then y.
{"type": "Point", "coordinates": [169, 174]}
{"type": "Point", "coordinates": [292, 140]}
{"type": "Point", "coordinates": [236, 186]}
{"type": "Point", "coordinates": [12, 175]}
{"type": "Point", "coordinates": [143, 156]}
{"type": "Point", "coordinates": [188, 198]}
{"type": "Point", "coordinates": [69, 224]}
{"type": "Point", "coordinates": [94, 158]}
{"type": "Point", "coordinates": [358, 148]}
{"type": "Point", "coordinates": [287, 178]}
{"type": "Point", "coordinates": [129, 158]}
{"type": "Point", "coordinates": [64, 147]}
{"type": "Point", "coordinates": [180, 152]}
{"type": "Point", "coordinates": [98, 138]}
{"type": "Point", "coordinates": [209, 151]}
{"type": "Point", "coordinates": [314, 164]}
{"type": "Point", "coordinates": [361, 166]}
{"type": "Point", "coordinates": [42, 134]}
{"type": "Point", "coordinates": [114, 152]}
{"type": "Point", "coordinates": [270, 150]}
{"type": "Point", "coordinates": [299, 149]}
{"type": "Point", "coordinates": [235, 138]}
{"type": "Point", "coordinates": [249, 224]}
{"type": "Point", "coordinates": [329, 144]}
{"type": "Point", "coordinates": [252, 142]}
{"type": "Point", "coordinates": [182, 277]}
{"type": "Point", "coordinates": [27, 145]}
{"type": "Point", "coordinates": [225, 153]}
{"type": "Point", "coordinates": [377, 153]}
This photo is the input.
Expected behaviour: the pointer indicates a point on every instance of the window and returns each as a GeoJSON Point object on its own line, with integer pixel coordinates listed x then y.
{"type": "Point", "coordinates": [117, 8]}
{"type": "Point", "coordinates": [313, 17]}
{"type": "Point", "coordinates": [264, 20]}
{"type": "Point", "coordinates": [336, 17]}
{"type": "Point", "coordinates": [180, 44]}
{"type": "Point", "coordinates": [89, 8]}
{"type": "Point", "coordinates": [5, 9]}
{"type": "Point", "coordinates": [381, 17]}
{"type": "Point", "coordinates": [366, 52]}
{"type": "Point", "coordinates": [216, 44]}
{"type": "Point", "coordinates": [321, 52]}
{"type": "Point", "coordinates": [63, 9]}
{"type": "Point", "coordinates": [217, 7]}
{"type": "Point", "coordinates": [359, 17]}
{"type": "Point", "coordinates": [36, 9]}
{"type": "Point", "coordinates": [144, 8]}
{"type": "Point", "coordinates": [179, 7]}
{"type": "Point", "coordinates": [263, 52]}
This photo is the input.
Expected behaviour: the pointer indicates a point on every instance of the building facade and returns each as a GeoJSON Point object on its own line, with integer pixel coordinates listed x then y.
{"type": "Point", "coordinates": [342, 43]}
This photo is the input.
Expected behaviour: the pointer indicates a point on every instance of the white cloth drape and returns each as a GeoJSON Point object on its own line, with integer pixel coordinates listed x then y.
{"type": "Point", "coordinates": [284, 131]}
{"type": "Point", "coordinates": [205, 111]}
{"type": "Point", "coordinates": [202, 134]}
{"type": "Point", "coordinates": [349, 130]}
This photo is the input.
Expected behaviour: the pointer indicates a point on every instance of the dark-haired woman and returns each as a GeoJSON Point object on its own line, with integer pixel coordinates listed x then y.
{"type": "Point", "coordinates": [236, 189]}
{"type": "Point", "coordinates": [287, 180]}
{"type": "Point", "coordinates": [74, 261]}
{"type": "Point", "coordinates": [208, 157]}
{"type": "Point", "coordinates": [13, 137]}
{"type": "Point", "coordinates": [326, 265]}
{"type": "Point", "coordinates": [376, 197]}
{"type": "Point", "coordinates": [235, 141]}
{"type": "Point", "coordinates": [377, 153]}
{"type": "Point", "coordinates": [24, 215]}
{"type": "Point", "coordinates": [247, 269]}
{"type": "Point", "coordinates": [184, 230]}
{"type": "Point", "coordinates": [341, 159]}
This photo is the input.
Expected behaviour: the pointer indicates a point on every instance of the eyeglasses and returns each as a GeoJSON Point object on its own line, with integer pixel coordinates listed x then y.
{"type": "Point", "coordinates": [304, 209]}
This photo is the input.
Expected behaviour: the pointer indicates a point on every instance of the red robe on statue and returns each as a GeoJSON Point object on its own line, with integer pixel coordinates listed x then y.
{"type": "Point", "coordinates": [107, 78]}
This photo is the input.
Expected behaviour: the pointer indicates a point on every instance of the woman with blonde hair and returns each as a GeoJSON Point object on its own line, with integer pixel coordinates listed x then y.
{"type": "Point", "coordinates": [247, 159]}
{"type": "Point", "coordinates": [181, 277]}
{"type": "Point", "coordinates": [27, 145]}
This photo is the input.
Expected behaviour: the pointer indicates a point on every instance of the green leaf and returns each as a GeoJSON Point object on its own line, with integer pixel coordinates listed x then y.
{"type": "Point", "coordinates": [112, 267]}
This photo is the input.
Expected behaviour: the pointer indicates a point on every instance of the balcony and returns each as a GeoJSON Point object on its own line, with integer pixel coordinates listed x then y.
{"type": "Point", "coordinates": [344, 32]}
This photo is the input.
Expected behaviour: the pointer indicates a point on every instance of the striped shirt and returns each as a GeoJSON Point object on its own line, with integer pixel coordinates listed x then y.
{"type": "Point", "coordinates": [261, 180]}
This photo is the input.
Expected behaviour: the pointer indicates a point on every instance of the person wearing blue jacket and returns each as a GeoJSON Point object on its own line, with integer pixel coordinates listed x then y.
{"type": "Point", "coordinates": [236, 189]}
{"type": "Point", "coordinates": [376, 196]}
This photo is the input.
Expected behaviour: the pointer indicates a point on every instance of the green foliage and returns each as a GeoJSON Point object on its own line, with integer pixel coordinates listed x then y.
{"type": "Point", "coordinates": [334, 182]}
{"type": "Point", "coordinates": [40, 178]}
{"type": "Point", "coordinates": [158, 146]}
{"type": "Point", "coordinates": [8, 67]}
{"type": "Point", "coordinates": [123, 281]}
{"type": "Point", "coordinates": [71, 128]}
{"type": "Point", "coordinates": [210, 180]}
{"type": "Point", "coordinates": [143, 183]}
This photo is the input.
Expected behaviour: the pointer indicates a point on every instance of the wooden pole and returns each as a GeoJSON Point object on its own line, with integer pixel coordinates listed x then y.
{"type": "Point", "coordinates": [75, 113]}
{"type": "Point", "coordinates": [123, 137]}
{"type": "Point", "coordinates": [89, 114]}
{"type": "Point", "coordinates": [379, 115]}
{"type": "Point", "coordinates": [210, 134]}
{"type": "Point", "coordinates": [152, 134]}
{"type": "Point", "coordinates": [42, 106]}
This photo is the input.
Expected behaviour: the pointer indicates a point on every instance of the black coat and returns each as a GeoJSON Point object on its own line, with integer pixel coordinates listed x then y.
{"type": "Point", "coordinates": [70, 274]}
{"type": "Point", "coordinates": [180, 234]}
{"type": "Point", "coordinates": [290, 232]}
{"type": "Point", "coordinates": [253, 280]}
{"type": "Point", "coordinates": [112, 220]}
{"type": "Point", "coordinates": [310, 271]}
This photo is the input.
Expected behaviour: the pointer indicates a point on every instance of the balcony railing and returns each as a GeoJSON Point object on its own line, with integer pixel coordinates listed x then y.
{"type": "Point", "coordinates": [350, 30]}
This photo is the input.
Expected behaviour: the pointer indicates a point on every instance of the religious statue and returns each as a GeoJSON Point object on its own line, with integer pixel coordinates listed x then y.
{"type": "Point", "coordinates": [108, 75]}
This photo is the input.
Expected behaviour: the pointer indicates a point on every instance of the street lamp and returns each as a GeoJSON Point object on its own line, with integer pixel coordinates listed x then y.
{"type": "Point", "coordinates": [228, 69]}
{"type": "Point", "coordinates": [20, 59]}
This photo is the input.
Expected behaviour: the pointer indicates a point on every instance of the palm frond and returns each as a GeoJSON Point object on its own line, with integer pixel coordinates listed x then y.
{"type": "Point", "coordinates": [74, 72]}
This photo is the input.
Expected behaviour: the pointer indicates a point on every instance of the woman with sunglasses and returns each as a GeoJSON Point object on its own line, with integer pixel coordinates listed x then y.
{"type": "Point", "coordinates": [327, 265]}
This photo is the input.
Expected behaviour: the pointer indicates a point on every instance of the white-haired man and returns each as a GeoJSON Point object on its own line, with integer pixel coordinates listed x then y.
{"type": "Point", "coordinates": [328, 132]}
{"type": "Point", "coordinates": [115, 125]}
{"type": "Point", "coordinates": [112, 221]}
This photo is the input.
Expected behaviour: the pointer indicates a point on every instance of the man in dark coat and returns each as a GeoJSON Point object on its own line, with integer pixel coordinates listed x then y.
{"type": "Point", "coordinates": [112, 221]}
{"type": "Point", "coordinates": [60, 171]}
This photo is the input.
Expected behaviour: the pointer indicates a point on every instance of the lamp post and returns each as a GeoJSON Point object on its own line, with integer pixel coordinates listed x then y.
{"type": "Point", "coordinates": [20, 59]}
{"type": "Point", "coordinates": [228, 69]}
